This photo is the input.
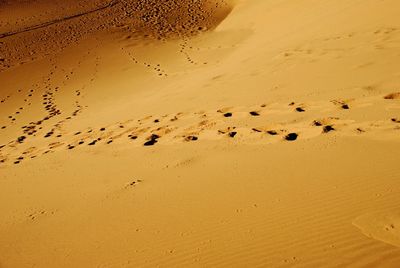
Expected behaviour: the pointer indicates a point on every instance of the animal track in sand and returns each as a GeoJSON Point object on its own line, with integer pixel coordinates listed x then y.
{"type": "Point", "coordinates": [5, 99]}
{"type": "Point", "coordinates": [161, 72]}
{"type": "Point", "coordinates": [18, 112]}
{"type": "Point", "coordinates": [47, 101]}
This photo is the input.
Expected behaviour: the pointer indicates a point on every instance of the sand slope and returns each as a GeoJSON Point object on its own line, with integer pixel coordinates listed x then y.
{"type": "Point", "coordinates": [266, 134]}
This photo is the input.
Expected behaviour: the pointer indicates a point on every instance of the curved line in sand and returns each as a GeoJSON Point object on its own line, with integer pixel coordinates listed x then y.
{"type": "Point", "coordinates": [380, 226]}
{"type": "Point", "coordinates": [48, 23]}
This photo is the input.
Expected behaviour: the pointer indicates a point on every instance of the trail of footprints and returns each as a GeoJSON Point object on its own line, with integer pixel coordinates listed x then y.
{"type": "Point", "coordinates": [184, 48]}
{"type": "Point", "coordinates": [27, 102]}
{"type": "Point", "coordinates": [242, 125]}
{"type": "Point", "coordinates": [37, 132]}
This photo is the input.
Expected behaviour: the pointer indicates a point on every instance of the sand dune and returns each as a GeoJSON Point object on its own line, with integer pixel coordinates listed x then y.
{"type": "Point", "coordinates": [210, 133]}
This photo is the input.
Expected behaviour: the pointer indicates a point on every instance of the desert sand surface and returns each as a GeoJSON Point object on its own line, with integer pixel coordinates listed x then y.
{"type": "Point", "coordinates": [208, 133]}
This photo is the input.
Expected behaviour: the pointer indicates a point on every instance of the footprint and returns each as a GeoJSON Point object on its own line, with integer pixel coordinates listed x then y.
{"type": "Point", "coordinates": [272, 132]}
{"type": "Point", "coordinates": [150, 142]}
{"type": "Point", "coordinates": [328, 128]}
{"type": "Point", "coordinates": [191, 138]}
{"type": "Point", "coordinates": [21, 139]}
{"type": "Point", "coordinates": [254, 113]}
{"type": "Point", "coordinates": [49, 134]}
{"type": "Point", "coordinates": [132, 137]}
{"type": "Point", "coordinates": [392, 96]}
{"type": "Point", "coordinates": [344, 105]}
{"type": "Point", "coordinates": [360, 130]}
{"type": "Point", "coordinates": [232, 134]}
{"type": "Point", "coordinates": [133, 183]}
{"type": "Point", "coordinates": [153, 139]}
{"type": "Point", "coordinates": [92, 143]}
{"type": "Point", "coordinates": [174, 119]}
{"type": "Point", "coordinates": [291, 136]}
{"type": "Point", "coordinates": [228, 114]}
{"type": "Point", "coordinates": [317, 123]}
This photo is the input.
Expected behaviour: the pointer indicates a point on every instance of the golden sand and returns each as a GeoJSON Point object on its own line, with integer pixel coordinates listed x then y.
{"type": "Point", "coordinates": [200, 133]}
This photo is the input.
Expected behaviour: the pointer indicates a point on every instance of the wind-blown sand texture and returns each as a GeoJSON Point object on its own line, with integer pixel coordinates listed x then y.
{"type": "Point", "coordinates": [208, 133]}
